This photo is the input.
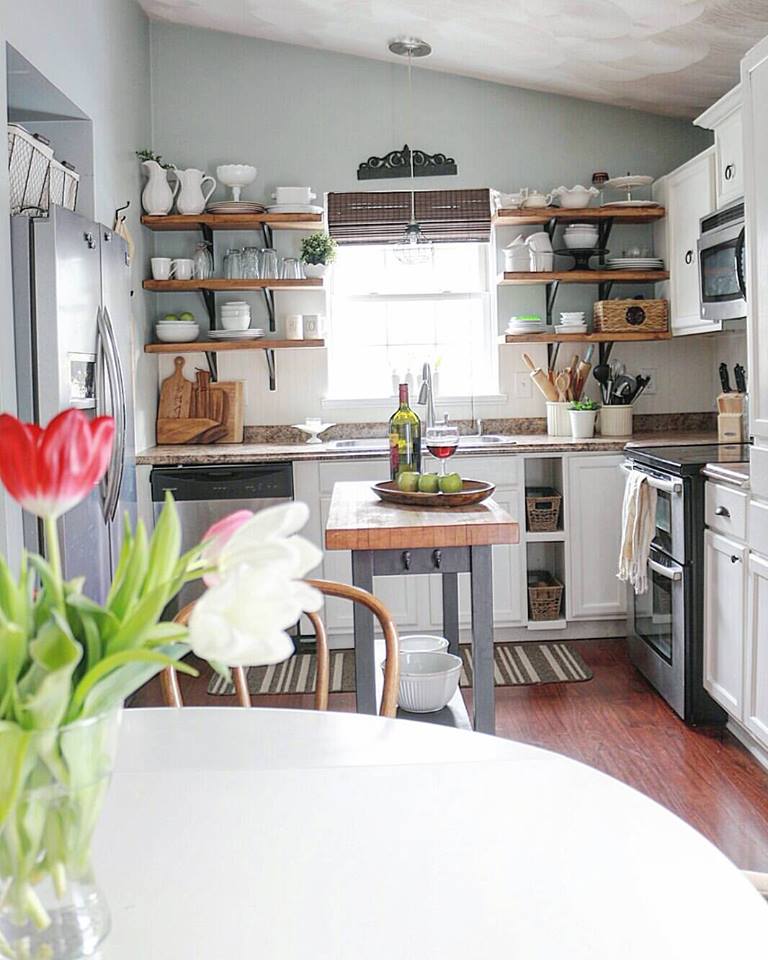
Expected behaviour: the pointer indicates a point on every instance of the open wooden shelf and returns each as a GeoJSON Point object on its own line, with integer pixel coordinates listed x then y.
{"type": "Point", "coordinates": [220, 346]}
{"type": "Point", "coordinates": [176, 286]}
{"type": "Point", "coordinates": [622, 337]}
{"type": "Point", "coordinates": [582, 276]}
{"type": "Point", "coordinates": [528, 217]}
{"type": "Point", "coordinates": [235, 221]}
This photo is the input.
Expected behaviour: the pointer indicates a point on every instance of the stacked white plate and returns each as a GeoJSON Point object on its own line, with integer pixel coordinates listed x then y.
{"type": "Point", "coordinates": [254, 333]}
{"type": "Point", "coordinates": [295, 208]}
{"type": "Point", "coordinates": [235, 206]}
{"type": "Point", "coordinates": [523, 325]}
{"type": "Point", "coordinates": [635, 263]}
{"type": "Point", "coordinates": [561, 328]}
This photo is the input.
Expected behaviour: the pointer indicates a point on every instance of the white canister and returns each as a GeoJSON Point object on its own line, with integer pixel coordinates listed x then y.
{"type": "Point", "coordinates": [616, 420]}
{"type": "Point", "coordinates": [294, 326]}
{"type": "Point", "coordinates": [558, 421]}
{"type": "Point", "coordinates": [313, 326]}
{"type": "Point", "coordinates": [582, 423]}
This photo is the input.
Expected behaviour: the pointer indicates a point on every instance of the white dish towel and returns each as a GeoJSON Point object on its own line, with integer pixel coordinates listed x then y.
{"type": "Point", "coordinates": [638, 523]}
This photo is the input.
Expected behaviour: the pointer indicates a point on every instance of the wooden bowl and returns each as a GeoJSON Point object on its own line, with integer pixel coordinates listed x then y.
{"type": "Point", "coordinates": [475, 491]}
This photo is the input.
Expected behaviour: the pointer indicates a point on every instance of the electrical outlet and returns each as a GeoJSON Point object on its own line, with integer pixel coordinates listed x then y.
{"type": "Point", "coordinates": [523, 386]}
{"type": "Point", "coordinates": [649, 372]}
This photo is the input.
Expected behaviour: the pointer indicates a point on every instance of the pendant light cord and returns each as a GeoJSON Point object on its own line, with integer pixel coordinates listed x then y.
{"type": "Point", "coordinates": [409, 125]}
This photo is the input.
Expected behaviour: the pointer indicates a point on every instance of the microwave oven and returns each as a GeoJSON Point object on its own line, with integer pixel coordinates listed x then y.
{"type": "Point", "coordinates": [722, 265]}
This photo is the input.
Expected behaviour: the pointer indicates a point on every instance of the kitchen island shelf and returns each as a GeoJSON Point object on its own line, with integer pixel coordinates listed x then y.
{"type": "Point", "coordinates": [210, 348]}
{"type": "Point", "coordinates": [234, 221]}
{"type": "Point", "coordinates": [541, 215]}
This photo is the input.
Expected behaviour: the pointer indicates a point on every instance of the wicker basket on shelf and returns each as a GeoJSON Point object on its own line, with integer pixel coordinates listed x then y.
{"type": "Point", "coordinates": [631, 316]}
{"type": "Point", "coordinates": [542, 506]}
{"type": "Point", "coordinates": [545, 595]}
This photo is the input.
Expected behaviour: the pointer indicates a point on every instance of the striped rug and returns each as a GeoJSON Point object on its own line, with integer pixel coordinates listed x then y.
{"type": "Point", "coordinates": [516, 664]}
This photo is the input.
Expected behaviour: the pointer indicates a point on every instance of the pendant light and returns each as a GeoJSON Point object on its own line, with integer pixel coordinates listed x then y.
{"type": "Point", "coordinates": [414, 248]}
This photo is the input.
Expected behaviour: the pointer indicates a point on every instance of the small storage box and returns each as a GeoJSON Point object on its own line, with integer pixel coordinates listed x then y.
{"type": "Point", "coordinates": [542, 506]}
{"type": "Point", "coordinates": [29, 164]}
{"type": "Point", "coordinates": [624, 316]}
{"type": "Point", "coordinates": [545, 595]}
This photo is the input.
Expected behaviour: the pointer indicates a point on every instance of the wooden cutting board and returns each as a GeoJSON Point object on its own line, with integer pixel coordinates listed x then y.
{"type": "Point", "coordinates": [200, 412]}
{"type": "Point", "coordinates": [175, 394]}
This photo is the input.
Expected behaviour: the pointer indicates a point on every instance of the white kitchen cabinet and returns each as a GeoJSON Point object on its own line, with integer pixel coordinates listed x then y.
{"type": "Point", "coordinates": [688, 193]}
{"type": "Point", "coordinates": [756, 686]}
{"type": "Point", "coordinates": [724, 118]}
{"type": "Point", "coordinates": [594, 493]}
{"type": "Point", "coordinates": [754, 88]}
{"type": "Point", "coordinates": [724, 588]}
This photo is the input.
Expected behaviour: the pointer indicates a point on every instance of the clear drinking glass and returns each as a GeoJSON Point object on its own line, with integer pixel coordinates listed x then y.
{"type": "Point", "coordinates": [442, 441]}
{"type": "Point", "coordinates": [251, 263]}
{"type": "Point", "coordinates": [202, 261]}
{"type": "Point", "coordinates": [291, 269]}
{"type": "Point", "coordinates": [233, 265]}
{"type": "Point", "coordinates": [270, 264]}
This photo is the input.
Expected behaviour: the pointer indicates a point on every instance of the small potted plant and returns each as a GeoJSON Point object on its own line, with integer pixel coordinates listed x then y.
{"type": "Point", "coordinates": [583, 414]}
{"type": "Point", "coordinates": [317, 251]}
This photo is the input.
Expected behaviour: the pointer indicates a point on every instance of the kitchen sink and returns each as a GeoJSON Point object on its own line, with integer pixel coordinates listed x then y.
{"type": "Point", "coordinates": [381, 443]}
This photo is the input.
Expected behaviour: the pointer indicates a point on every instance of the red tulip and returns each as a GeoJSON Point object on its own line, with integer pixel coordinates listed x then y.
{"type": "Point", "coordinates": [48, 471]}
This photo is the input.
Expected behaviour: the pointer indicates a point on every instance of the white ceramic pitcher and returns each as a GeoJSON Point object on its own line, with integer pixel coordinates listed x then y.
{"type": "Point", "coordinates": [191, 199]}
{"type": "Point", "coordinates": [157, 197]}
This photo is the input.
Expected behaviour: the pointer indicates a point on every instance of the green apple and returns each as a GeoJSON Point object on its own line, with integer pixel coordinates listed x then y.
{"type": "Point", "coordinates": [408, 482]}
{"type": "Point", "coordinates": [451, 483]}
{"type": "Point", "coordinates": [170, 318]}
{"type": "Point", "coordinates": [428, 483]}
{"type": "Point", "coordinates": [187, 316]}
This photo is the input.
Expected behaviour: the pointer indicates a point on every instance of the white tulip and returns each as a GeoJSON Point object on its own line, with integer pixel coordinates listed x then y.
{"type": "Point", "coordinates": [242, 620]}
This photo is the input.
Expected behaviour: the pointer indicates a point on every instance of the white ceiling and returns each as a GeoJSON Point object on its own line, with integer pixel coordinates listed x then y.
{"type": "Point", "coordinates": [667, 56]}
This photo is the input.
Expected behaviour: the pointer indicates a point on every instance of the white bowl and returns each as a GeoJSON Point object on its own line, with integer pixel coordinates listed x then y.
{"type": "Point", "coordinates": [422, 643]}
{"type": "Point", "coordinates": [235, 323]}
{"type": "Point", "coordinates": [428, 681]}
{"type": "Point", "coordinates": [177, 332]}
{"type": "Point", "coordinates": [577, 241]}
{"type": "Point", "coordinates": [236, 174]}
{"type": "Point", "coordinates": [235, 311]}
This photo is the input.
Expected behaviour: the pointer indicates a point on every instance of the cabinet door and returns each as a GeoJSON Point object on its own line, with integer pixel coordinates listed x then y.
{"type": "Point", "coordinates": [730, 165]}
{"type": "Point", "coordinates": [755, 119]}
{"type": "Point", "coordinates": [724, 586]}
{"type": "Point", "coordinates": [756, 672]}
{"type": "Point", "coordinates": [690, 196]}
{"type": "Point", "coordinates": [595, 495]}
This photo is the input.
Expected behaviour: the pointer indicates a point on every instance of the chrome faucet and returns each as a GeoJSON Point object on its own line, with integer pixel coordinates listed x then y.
{"type": "Point", "coordinates": [426, 394]}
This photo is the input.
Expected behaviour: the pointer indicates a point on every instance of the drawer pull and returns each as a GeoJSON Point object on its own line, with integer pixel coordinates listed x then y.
{"type": "Point", "coordinates": [730, 171]}
{"type": "Point", "coordinates": [722, 512]}
{"type": "Point", "coordinates": [407, 559]}
{"type": "Point", "coordinates": [734, 558]}
{"type": "Point", "coordinates": [437, 559]}
{"type": "Point", "coordinates": [689, 257]}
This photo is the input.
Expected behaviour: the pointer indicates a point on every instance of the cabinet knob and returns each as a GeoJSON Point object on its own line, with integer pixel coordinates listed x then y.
{"type": "Point", "coordinates": [437, 559]}
{"type": "Point", "coordinates": [407, 559]}
{"type": "Point", "coordinates": [730, 171]}
{"type": "Point", "coordinates": [689, 256]}
{"type": "Point", "coordinates": [90, 240]}
{"type": "Point", "coordinates": [722, 512]}
{"type": "Point", "coordinates": [735, 559]}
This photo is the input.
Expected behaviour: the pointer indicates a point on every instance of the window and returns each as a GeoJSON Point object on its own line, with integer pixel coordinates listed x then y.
{"type": "Point", "coordinates": [388, 317]}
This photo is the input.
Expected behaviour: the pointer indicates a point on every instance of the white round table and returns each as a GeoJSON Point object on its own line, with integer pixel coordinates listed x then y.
{"type": "Point", "coordinates": [231, 834]}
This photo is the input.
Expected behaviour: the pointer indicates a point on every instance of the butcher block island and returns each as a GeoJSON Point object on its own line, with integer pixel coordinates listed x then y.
{"type": "Point", "coordinates": [391, 540]}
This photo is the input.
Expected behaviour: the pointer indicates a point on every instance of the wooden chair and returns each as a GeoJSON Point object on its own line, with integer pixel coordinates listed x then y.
{"type": "Point", "coordinates": [329, 588]}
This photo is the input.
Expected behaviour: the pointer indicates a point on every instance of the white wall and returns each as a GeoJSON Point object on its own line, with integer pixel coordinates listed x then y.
{"type": "Point", "coordinates": [305, 116]}
{"type": "Point", "coordinates": [97, 53]}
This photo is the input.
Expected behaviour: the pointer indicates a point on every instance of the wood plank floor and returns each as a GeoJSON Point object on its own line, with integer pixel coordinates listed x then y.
{"type": "Point", "coordinates": [619, 725]}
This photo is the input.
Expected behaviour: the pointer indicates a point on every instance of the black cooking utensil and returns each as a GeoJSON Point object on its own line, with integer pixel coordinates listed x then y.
{"type": "Point", "coordinates": [623, 388]}
{"type": "Point", "coordinates": [741, 378]}
{"type": "Point", "coordinates": [602, 373]}
{"type": "Point", "coordinates": [724, 381]}
{"type": "Point", "coordinates": [642, 382]}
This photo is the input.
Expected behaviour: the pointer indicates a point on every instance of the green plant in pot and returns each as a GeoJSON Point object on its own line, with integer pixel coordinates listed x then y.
{"type": "Point", "coordinates": [583, 414]}
{"type": "Point", "coordinates": [318, 251]}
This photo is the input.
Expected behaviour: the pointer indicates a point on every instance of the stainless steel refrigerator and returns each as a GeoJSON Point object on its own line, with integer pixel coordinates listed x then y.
{"type": "Point", "coordinates": [73, 334]}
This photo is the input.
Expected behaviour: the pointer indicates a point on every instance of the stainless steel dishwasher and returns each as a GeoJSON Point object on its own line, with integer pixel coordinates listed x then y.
{"type": "Point", "coordinates": [206, 494]}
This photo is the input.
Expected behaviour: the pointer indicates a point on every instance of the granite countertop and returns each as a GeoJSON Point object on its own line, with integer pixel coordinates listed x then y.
{"type": "Point", "coordinates": [202, 454]}
{"type": "Point", "coordinates": [733, 473]}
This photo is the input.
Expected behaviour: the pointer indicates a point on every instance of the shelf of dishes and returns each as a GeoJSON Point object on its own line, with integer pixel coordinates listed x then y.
{"type": "Point", "coordinates": [582, 276]}
{"type": "Point", "coordinates": [220, 283]}
{"type": "Point", "coordinates": [206, 346]}
{"type": "Point", "coordinates": [234, 221]}
{"type": "Point", "coordinates": [529, 216]}
{"type": "Point", "coordinates": [608, 337]}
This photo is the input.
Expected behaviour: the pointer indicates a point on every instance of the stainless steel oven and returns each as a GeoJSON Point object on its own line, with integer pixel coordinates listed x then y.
{"type": "Point", "coordinates": [669, 533]}
{"type": "Point", "coordinates": [722, 283]}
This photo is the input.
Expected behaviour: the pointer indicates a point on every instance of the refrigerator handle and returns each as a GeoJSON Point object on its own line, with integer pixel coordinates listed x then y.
{"type": "Point", "coordinates": [101, 407]}
{"type": "Point", "coordinates": [117, 389]}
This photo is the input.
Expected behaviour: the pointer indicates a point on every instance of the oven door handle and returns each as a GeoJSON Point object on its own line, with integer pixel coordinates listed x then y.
{"type": "Point", "coordinates": [740, 266]}
{"type": "Point", "coordinates": [666, 486]}
{"type": "Point", "coordinates": [663, 571]}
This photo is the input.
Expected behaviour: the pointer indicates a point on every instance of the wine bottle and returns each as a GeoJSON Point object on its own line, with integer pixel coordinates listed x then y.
{"type": "Point", "coordinates": [404, 438]}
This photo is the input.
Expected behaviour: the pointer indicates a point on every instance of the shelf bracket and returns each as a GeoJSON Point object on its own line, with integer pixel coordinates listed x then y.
{"type": "Point", "coordinates": [604, 289]}
{"type": "Point", "coordinates": [552, 351]}
{"type": "Point", "coordinates": [207, 233]}
{"type": "Point", "coordinates": [552, 289]}
{"type": "Point", "coordinates": [209, 299]}
{"type": "Point", "coordinates": [210, 359]}
{"type": "Point", "coordinates": [270, 355]}
{"type": "Point", "coordinates": [603, 233]}
{"type": "Point", "coordinates": [604, 350]}
{"type": "Point", "coordinates": [269, 299]}
{"type": "Point", "coordinates": [551, 226]}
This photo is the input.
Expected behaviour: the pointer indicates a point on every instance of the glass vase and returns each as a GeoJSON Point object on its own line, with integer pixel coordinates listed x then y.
{"type": "Point", "coordinates": [50, 906]}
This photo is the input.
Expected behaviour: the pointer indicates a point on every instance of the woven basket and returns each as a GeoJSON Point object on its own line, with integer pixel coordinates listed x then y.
{"type": "Point", "coordinates": [542, 506]}
{"type": "Point", "coordinates": [545, 595]}
{"type": "Point", "coordinates": [625, 316]}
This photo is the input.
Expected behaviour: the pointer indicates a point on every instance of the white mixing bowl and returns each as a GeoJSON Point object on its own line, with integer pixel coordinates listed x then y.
{"type": "Point", "coordinates": [428, 681]}
{"type": "Point", "coordinates": [422, 643]}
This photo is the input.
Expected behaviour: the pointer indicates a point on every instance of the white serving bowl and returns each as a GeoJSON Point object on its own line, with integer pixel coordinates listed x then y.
{"type": "Point", "coordinates": [428, 681]}
{"type": "Point", "coordinates": [235, 323]}
{"type": "Point", "coordinates": [177, 332]}
{"type": "Point", "coordinates": [236, 174]}
{"type": "Point", "coordinates": [579, 241]}
{"type": "Point", "coordinates": [291, 195]}
{"type": "Point", "coordinates": [422, 643]}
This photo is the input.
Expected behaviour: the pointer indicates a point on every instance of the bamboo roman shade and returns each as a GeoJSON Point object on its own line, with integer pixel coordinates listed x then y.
{"type": "Point", "coordinates": [445, 216]}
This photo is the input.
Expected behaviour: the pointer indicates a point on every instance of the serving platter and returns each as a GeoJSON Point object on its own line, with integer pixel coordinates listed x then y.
{"type": "Point", "coordinates": [475, 491]}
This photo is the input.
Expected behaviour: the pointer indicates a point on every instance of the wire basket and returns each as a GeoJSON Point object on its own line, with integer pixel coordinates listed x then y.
{"type": "Point", "coordinates": [542, 506]}
{"type": "Point", "coordinates": [29, 164]}
{"type": "Point", "coordinates": [545, 595]}
{"type": "Point", "coordinates": [63, 183]}
{"type": "Point", "coordinates": [624, 316]}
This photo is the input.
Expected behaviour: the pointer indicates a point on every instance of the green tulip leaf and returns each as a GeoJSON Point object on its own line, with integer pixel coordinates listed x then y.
{"type": "Point", "coordinates": [116, 686]}
{"type": "Point", "coordinates": [127, 585]}
{"type": "Point", "coordinates": [165, 544]}
{"type": "Point", "coordinates": [14, 746]}
{"type": "Point", "coordinates": [44, 690]}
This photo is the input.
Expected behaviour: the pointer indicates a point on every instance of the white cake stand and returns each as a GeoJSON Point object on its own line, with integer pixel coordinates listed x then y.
{"type": "Point", "coordinates": [314, 430]}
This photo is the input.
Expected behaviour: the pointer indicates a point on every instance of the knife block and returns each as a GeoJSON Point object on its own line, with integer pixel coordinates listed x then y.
{"type": "Point", "coordinates": [199, 412]}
